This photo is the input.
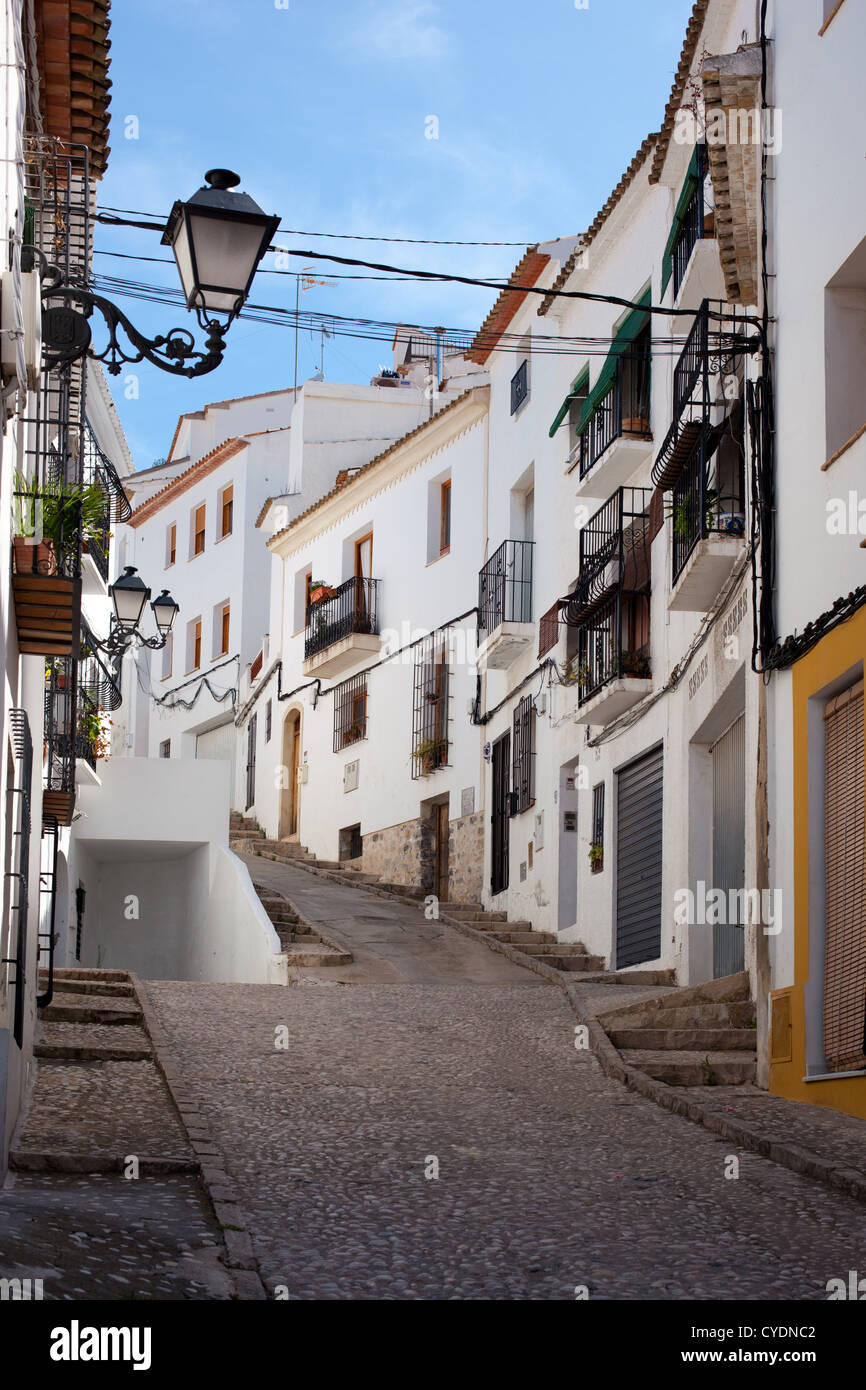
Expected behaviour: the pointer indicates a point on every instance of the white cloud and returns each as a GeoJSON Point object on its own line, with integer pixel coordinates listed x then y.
{"type": "Point", "coordinates": [405, 29]}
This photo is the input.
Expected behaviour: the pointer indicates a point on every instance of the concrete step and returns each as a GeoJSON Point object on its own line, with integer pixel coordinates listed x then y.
{"type": "Point", "coordinates": [473, 911]}
{"type": "Point", "coordinates": [79, 973]}
{"type": "Point", "coordinates": [316, 955]}
{"type": "Point", "coordinates": [88, 1013]}
{"type": "Point", "coordinates": [533, 942]}
{"type": "Point", "coordinates": [101, 988]}
{"type": "Point", "coordinates": [695, 1068]}
{"type": "Point", "coordinates": [575, 964]}
{"type": "Point", "coordinates": [686, 1039]}
{"type": "Point", "coordinates": [90, 1052]}
{"type": "Point", "coordinates": [627, 977]}
{"type": "Point", "coordinates": [736, 1014]}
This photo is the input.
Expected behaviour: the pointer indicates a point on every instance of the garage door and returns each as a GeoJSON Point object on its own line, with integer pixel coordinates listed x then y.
{"type": "Point", "coordinates": [221, 744]}
{"type": "Point", "coordinates": [639, 861]}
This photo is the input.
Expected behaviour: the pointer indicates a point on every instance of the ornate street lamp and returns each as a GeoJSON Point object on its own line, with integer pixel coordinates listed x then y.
{"type": "Point", "coordinates": [129, 594]}
{"type": "Point", "coordinates": [218, 238]}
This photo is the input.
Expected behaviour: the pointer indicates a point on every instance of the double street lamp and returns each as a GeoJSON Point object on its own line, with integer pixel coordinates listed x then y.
{"type": "Point", "coordinates": [218, 237]}
{"type": "Point", "coordinates": [129, 594]}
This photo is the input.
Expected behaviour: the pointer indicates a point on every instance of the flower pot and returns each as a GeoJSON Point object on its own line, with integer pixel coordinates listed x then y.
{"type": "Point", "coordinates": [40, 558]}
{"type": "Point", "coordinates": [322, 592]}
{"type": "Point", "coordinates": [709, 224]}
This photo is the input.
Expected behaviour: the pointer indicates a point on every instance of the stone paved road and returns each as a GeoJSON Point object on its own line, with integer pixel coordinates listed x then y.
{"type": "Point", "coordinates": [550, 1175]}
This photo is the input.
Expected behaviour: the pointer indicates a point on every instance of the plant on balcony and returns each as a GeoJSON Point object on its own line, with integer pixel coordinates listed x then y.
{"type": "Point", "coordinates": [569, 672]}
{"type": "Point", "coordinates": [584, 675]}
{"type": "Point", "coordinates": [353, 734]}
{"type": "Point", "coordinates": [596, 857]}
{"type": "Point", "coordinates": [635, 664]}
{"type": "Point", "coordinates": [680, 513]}
{"type": "Point", "coordinates": [319, 591]}
{"type": "Point", "coordinates": [431, 753]}
{"type": "Point", "coordinates": [93, 725]}
{"type": "Point", "coordinates": [58, 506]}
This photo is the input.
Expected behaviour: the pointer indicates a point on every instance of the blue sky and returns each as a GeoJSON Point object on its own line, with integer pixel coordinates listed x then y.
{"type": "Point", "coordinates": [323, 108]}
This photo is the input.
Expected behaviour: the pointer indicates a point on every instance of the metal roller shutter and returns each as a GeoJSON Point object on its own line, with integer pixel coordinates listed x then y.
{"type": "Point", "coordinates": [639, 861]}
{"type": "Point", "coordinates": [845, 883]}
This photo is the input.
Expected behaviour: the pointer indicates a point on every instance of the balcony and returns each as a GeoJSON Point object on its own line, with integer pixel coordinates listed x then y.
{"type": "Point", "coordinates": [616, 439]}
{"type": "Point", "coordinates": [505, 605]}
{"type": "Point", "coordinates": [707, 509]}
{"type": "Point", "coordinates": [342, 628]}
{"type": "Point", "coordinates": [694, 255]}
{"type": "Point", "coordinates": [107, 504]}
{"type": "Point", "coordinates": [701, 462]}
{"type": "Point", "coordinates": [609, 608]}
{"type": "Point", "coordinates": [62, 739]}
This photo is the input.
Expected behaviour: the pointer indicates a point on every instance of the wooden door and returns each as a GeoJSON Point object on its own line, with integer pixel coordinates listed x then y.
{"type": "Point", "coordinates": [293, 776]}
{"type": "Point", "coordinates": [441, 833]}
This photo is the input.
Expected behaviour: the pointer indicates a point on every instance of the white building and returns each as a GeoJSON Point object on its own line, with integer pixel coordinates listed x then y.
{"type": "Point", "coordinates": [359, 740]}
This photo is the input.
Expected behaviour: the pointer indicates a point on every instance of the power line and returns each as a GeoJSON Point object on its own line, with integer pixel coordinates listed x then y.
{"type": "Point", "coordinates": [337, 236]}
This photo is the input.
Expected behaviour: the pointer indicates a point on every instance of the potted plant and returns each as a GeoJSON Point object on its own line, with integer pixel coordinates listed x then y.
{"type": "Point", "coordinates": [584, 675]}
{"type": "Point", "coordinates": [352, 734]}
{"type": "Point", "coordinates": [596, 857]}
{"type": "Point", "coordinates": [635, 664]}
{"type": "Point", "coordinates": [58, 507]}
{"type": "Point", "coordinates": [319, 591]}
{"type": "Point", "coordinates": [430, 752]}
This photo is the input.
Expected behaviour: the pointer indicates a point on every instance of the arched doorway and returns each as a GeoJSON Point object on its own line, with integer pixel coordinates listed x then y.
{"type": "Point", "coordinates": [289, 789]}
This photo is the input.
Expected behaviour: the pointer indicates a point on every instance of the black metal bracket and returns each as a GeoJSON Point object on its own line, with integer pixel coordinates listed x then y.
{"type": "Point", "coordinates": [67, 336]}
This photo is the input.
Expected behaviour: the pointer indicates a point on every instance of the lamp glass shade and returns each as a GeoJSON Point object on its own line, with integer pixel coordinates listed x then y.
{"type": "Point", "coordinates": [165, 610]}
{"type": "Point", "coordinates": [218, 238]}
{"type": "Point", "coordinates": [129, 594]}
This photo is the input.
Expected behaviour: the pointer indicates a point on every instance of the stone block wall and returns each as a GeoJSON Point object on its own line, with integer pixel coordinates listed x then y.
{"type": "Point", "coordinates": [466, 858]}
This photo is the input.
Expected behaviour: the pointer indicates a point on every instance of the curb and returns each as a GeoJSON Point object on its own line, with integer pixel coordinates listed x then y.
{"type": "Point", "coordinates": [239, 1258]}
{"type": "Point", "coordinates": [799, 1160]}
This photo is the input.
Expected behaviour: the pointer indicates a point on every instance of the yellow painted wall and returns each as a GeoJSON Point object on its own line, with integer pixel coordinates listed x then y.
{"type": "Point", "coordinates": [834, 655]}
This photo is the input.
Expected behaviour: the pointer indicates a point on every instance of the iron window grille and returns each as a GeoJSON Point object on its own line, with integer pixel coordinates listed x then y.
{"type": "Point", "coordinates": [18, 813]}
{"type": "Point", "coordinates": [268, 721]}
{"type": "Point", "coordinates": [597, 858]}
{"type": "Point", "coordinates": [505, 586]}
{"type": "Point", "coordinates": [430, 707]}
{"type": "Point", "coordinates": [350, 712]}
{"type": "Point", "coordinates": [519, 386]}
{"type": "Point", "coordinates": [62, 737]}
{"type": "Point", "coordinates": [353, 608]}
{"type": "Point", "coordinates": [47, 905]}
{"type": "Point", "coordinates": [523, 767]}
{"type": "Point", "coordinates": [251, 761]}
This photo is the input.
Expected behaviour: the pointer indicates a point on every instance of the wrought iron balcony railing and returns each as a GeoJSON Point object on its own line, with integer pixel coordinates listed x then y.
{"type": "Point", "coordinates": [606, 648]}
{"type": "Point", "coordinates": [505, 586]}
{"type": "Point", "coordinates": [101, 479]}
{"type": "Point", "coordinates": [693, 227]}
{"type": "Point", "coordinates": [624, 410]}
{"type": "Point", "coordinates": [705, 501]}
{"type": "Point", "coordinates": [614, 550]}
{"type": "Point", "coordinates": [354, 607]}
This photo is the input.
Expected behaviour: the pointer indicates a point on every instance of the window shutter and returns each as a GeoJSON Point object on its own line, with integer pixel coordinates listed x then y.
{"type": "Point", "coordinates": [845, 883]}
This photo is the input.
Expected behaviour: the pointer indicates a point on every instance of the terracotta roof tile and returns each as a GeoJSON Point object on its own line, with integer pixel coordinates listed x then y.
{"type": "Point", "coordinates": [72, 60]}
{"type": "Point", "coordinates": [188, 479]}
{"type": "Point", "coordinates": [526, 272]}
{"type": "Point", "coordinates": [599, 220]}
{"type": "Point", "coordinates": [675, 101]}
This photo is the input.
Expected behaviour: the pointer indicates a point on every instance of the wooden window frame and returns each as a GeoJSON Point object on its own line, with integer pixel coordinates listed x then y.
{"type": "Point", "coordinates": [445, 499]}
{"type": "Point", "coordinates": [196, 532]}
{"type": "Point", "coordinates": [225, 628]}
{"type": "Point", "coordinates": [171, 545]}
{"type": "Point", "coordinates": [227, 502]}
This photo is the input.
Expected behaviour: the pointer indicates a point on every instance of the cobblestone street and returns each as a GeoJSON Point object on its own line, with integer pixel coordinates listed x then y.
{"type": "Point", "coordinates": [550, 1176]}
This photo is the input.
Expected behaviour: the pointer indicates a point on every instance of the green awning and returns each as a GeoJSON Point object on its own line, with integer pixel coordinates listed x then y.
{"type": "Point", "coordinates": [690, 183]}
{"type": "Point", "coordinates": [578, 386]}
{"type": "Point", "coordinates": [625, 336]}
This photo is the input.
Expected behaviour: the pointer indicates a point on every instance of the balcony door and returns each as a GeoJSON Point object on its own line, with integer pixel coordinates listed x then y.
{"type": "Point", "coordinates": [363, 573]}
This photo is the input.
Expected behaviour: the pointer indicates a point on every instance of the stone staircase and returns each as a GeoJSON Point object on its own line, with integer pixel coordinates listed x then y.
{"type": "Point", "coordinates": [703, 1035]}
{"type": "Point", "coordinates": [567, 956]}
{"type": "Point", "coordinates": [302, 945]}
{"type": "Point", "coordinates": [93, 1017]}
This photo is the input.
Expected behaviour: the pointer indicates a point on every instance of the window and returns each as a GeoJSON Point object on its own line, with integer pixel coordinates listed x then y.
{"type": "Point", "coordinates": [430, 706]}
{"type": "Point", "coordinates": [351, 842]}
{"type": "Point", "coordinates": [193, 644]}
{"type": "Point", "coordinates": [596, 849]}
{"type": "Point", "coordinates": [844, 358]}
{"type": "Point", "coordinates": [167, 656]}
{"type": "Point", "coordinates": [445, 518]}
{"type": "Point", "coordinates": [523, 772]}
{"type": "Point", "coordinates": [165, 749]}
{"type": "Point", "coordinates": [519, 387]}
{"type": "Point", "coordinates": [226, 510]}
{"type": "Point", "coordinates": [221, 629]}
{"type": "Point", "coordinates": [198, 517]}
{"type": "Point", "coordinates": [170, 545]}
{"type": "Point", "coordinates": [350, 712]}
